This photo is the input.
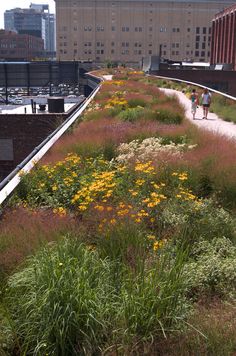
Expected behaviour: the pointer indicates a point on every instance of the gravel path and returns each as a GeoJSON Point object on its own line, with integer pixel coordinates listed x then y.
{"type": "Point", "coordinates": [213, 122]}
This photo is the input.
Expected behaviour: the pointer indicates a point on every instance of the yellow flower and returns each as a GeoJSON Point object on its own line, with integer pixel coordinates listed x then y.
{"type": "Point", "coordinates": [99, 207]}
{"type": "Point", "coordinates": [156, 246]}
{"type": "Point", "coordinates": [151, 237]}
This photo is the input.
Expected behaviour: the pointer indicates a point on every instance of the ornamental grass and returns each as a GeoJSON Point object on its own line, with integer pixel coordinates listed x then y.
{"type": "Point", "coordinates": [107, 244]}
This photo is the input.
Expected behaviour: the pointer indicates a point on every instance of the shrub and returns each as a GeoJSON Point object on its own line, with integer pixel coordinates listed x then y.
{"type": "Point", "coordinates": [131, 114]}
{"type": "Point", "coordinates": [201, 219]}
{"type": "Point", "coordinates": [212, 270]}
{"type": "Point", "coordinates": [168, 117]}
{"type": "Point", "coordinates": [133, 103]}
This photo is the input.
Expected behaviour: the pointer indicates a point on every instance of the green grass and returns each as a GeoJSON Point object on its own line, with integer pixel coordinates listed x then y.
{"type": "Point", "coordinates": [69, 301]}
{"type": "Point", "coordinates": [224, 108]}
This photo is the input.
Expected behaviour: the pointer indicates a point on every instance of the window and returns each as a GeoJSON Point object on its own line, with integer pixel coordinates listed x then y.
{"type": "Point", "coordinates": [204, 30]}
{"type": "Point", "coordinates": [196, 53]}
{"type": "Point", "coordinates": [197, 30]}
{"type": "Point", "coordinates": [197, 38]}
{"type": "Point", "coordinates": [189, 29]}
{"type": "Point", "coordinates": [163, 29]}
{"type": "Point", "coordinates": [150, 51]}
{"type": "Point", "coordinates": [150, 28]}
{"type": "Point", "coordinates": [112, 51]}
{"type": "Point", "coordinates": [112, 44]}
{"type": "Point", "coordinates": [113, 28]}
{"type": "Point", "coordinates": [202, 53]}
{"type": "Point", "coordinates": [203, 45]}
{"type": "Point", "coordinates": [197, 45]}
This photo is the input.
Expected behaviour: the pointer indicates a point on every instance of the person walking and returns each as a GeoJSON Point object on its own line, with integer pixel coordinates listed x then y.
{"type": "Point", "coordinates": [194, 102]}
{"type": "Point", "coordinates": [206, 102]}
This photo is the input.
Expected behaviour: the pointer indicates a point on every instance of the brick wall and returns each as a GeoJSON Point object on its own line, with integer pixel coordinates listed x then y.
{"type": "Point", "coordinates": [26, 131]}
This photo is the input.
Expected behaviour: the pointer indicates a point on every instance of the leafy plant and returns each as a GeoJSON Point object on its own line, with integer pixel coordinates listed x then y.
{"type": "Point", "coordinates": [131, 114]}
{"type": "Point", "coordinates": [168, 117]}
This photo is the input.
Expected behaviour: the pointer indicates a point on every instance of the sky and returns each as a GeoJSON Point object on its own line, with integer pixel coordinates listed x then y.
{"type": "Point", "coordinates": [11, 4]}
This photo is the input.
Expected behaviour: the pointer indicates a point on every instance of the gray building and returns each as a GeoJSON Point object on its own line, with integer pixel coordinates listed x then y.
{"type": "Point", "coordinates": [36, 21]}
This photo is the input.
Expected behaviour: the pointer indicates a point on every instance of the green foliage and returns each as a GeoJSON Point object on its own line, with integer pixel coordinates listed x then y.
{"type": "Point", "coordinates": [69, 301]}
{"type": "Point", "coordinates": [212, 269]}
{"type": "Point", "coordinates": [205, 221]}
{"type": "Point", "coordinates": [133, 103]}
{"type": "Point", "coordinates": [168, 117]}
{"type": "Point", "coordinates": [131, 114]}
{"type": "Point", "coordinates": [205, 186]}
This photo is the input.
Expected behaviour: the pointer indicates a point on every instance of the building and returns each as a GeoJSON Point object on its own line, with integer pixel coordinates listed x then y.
{"type": "Point", "coordinates": [49, 20]}
{"type": "Point", "coordinates": [20, 47]}
{"type": "Point", "coordinates": [35, 21]}
{"type": "Point", "coordinates": [223, 50]}
{"type": "Point", "coordinates": [126, 31]}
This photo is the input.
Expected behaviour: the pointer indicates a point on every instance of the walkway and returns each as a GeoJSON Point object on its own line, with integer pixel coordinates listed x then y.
{"type": "Point", "coordinates": [213, 123]}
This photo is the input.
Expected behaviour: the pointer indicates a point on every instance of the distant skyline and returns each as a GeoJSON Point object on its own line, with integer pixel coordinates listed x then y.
{"type": "Point", "coordinates": [11, 4]}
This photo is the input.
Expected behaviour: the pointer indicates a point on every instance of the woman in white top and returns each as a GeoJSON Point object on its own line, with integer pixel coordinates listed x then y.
{"type": "Point", "coordinates": [206, 102]}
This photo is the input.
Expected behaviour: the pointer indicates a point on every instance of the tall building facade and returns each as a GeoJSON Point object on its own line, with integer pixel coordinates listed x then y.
{"type": "Point", "coordinates": [35, 21]}
{"type": "Point", "coordinates": [224, 37]}
{"type": "Point", "coordinates": [127, 30]}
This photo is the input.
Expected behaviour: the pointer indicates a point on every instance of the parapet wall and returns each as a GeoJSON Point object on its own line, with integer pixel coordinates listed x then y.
{"type": "Point", "coordinates": [224, 81]}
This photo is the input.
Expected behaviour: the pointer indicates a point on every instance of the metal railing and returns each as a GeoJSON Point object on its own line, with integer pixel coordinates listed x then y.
{"type": "Point", "coordinates": [195, 84]}
{"type": "Point", "coordinates": [13, 179]}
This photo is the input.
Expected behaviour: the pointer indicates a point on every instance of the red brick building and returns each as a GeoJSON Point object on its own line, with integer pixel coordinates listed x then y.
{"type": "Point", "coordinates": [14, 46]}
{"type": "Point", "coordinates": [223, 44]}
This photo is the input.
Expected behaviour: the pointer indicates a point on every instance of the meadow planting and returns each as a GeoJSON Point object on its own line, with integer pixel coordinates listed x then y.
{"type": "Point", "coordinates": [122, 240]}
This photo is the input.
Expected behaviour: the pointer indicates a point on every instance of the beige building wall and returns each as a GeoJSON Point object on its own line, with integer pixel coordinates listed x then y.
{"type": "Point", "coordinates": [127, 30]}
